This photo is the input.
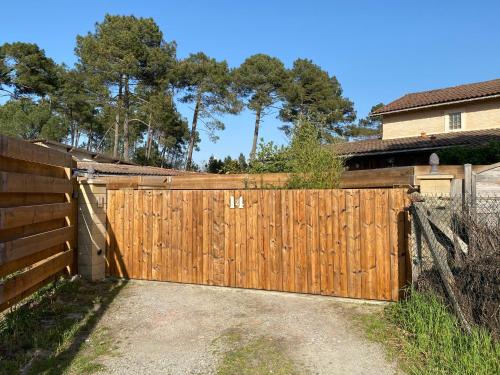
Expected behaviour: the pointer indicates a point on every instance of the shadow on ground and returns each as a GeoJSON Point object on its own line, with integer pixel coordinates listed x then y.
{"type": "Point", "coordinates": [52, 332]}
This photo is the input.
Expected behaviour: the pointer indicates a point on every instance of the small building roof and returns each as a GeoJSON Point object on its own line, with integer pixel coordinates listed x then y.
{"type": "Point", "coordinates": [434, 141]}
{"type": "Point", "coordinates": [77, 152]}
{"type": "Point", "coordinates": [123, 169]}
{"type": "Point", "coordinates": [447, 95]}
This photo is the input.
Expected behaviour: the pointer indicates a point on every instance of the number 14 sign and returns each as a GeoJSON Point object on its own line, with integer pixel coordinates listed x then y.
{"type": "Point", "coordinates": [238, 203]}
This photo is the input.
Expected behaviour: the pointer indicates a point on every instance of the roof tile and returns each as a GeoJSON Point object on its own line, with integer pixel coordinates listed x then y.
{"type": "Point", "coordinates": [441, 96]}
{"type": "Point", "coordinates": [375, 146]}
{"type": "Point", "coordinates": [122, 169]}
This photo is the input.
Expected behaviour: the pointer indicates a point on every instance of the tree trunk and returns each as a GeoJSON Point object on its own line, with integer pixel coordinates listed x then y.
{"type": "Point", "coordinates": [117, 120]}
{"type": "Point", "coordinates": [149, 139]}
{"type": "Point", "coordinates": [90, 135]}
{"type": "Point", "coordinates": [126, 134]}
{"type": "Point", "coordinates": [77, 138]}
{"type": "Point", "coordinates": [162, 154]}
{"type": "Point", "coordinates": [192, 136]}
{"type": "Point", "coordinates": [255, 134]}
{"type": "Point", "coordinates": [72, 134]}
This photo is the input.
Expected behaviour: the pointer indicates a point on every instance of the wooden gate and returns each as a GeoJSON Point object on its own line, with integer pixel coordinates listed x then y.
{"type": "Point", "coordinates": [349, 243]}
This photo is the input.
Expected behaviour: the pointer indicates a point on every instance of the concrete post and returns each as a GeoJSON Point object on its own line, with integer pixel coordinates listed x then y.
{"type": "Point", "coordinates": [92, 229]}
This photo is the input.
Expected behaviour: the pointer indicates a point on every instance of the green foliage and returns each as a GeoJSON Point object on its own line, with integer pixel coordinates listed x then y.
{"type": "Point", "coordinates": [228, 165]}
{"type": "Point", "coordinates": [270, 158]}
{"type": "Point", "coordinates": [25, 70]}
{"type": "Point", "coordinates": [214, 165]}
{"type": "Point", "coordinates": [128, 56]}
{"type": "Point", "coordinates": [487, 154]}
{"type": "Point", "coordinates": [121, 96]}
{"type": "Point", "coordinates": [123, 47]}
{"type": "Point", "coordinates": [311, 94]}
{"type": "Point", "coordinates": [370, 126]}
{"type": "Point", "coordinates": [428, 339]}
{"type": "Point", "coordinates": [258, 81]}
{"type": "Point", "coordinates": [30, 120]}
{"type": "Point", "coordinates": [312, 165]}
{"type": "Point", "coordinates": [206, 83]}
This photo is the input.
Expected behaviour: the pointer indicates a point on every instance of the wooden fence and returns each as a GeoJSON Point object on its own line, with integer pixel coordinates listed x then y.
{"type": "Point", "coordinates": [374, 178]}
{"type": "Point", "coordinates": [37, 217]}
{"type": "Point", "coordinates": [349, 243]}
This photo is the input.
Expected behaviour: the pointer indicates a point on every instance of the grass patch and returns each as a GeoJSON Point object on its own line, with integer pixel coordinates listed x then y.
{"type": "Point", "coordinates": [52, 332]}
{"type": "Point", "coordinates": [426, 339]}
{"type": "Point", "coordinates": [257, 356]}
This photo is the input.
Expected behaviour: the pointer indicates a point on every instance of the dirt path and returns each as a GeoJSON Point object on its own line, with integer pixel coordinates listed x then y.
{"type": "Point", "coordinates": [164, 328]}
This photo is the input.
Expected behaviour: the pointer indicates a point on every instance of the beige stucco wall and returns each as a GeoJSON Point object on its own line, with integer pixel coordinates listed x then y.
{"type": "Point", "coordinates": [475, 116]}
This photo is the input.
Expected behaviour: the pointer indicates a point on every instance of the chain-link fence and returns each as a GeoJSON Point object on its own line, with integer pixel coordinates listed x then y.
{"type": "Point", "coordinates": [456, 254]}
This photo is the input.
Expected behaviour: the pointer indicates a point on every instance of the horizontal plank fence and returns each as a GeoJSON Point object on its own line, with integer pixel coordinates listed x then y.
{"type": "Point", "coordinates": [348, 243]}
{"type": "Point", "coordinates": [374, 178]}
{"type": "Point", "coordinates": [37, 218]}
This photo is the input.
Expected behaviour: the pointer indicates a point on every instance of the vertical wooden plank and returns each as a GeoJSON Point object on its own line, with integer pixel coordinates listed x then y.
{"type": "Point", "coordinates": [229, 237]}
{"type": "Point", "coordinates": [165, 235]}
{"type": "Point", "coordinates": [276, 241]}
{"type": "Point", "coordinates": [336, 251]}
{"type": "Point", "coordinates": [263, 238]}
{"type": "Point", "coordinates": [394, 242]}
{"type": "Point", "coordinates": [110, 225]}
{"type": "Point", "coordinates": [148, 235]}
{"type": "Point", "coordinates": [227, 213]}
{"type": "Point", "coordinates": [207, 219]}
{"type": "Point", "coordinates": [176, 197]}
{"type": "Point", "coordinates": [138, 238]}
{"type": "Point", "coordinates": [309, 240]}
{"type": "Point", "coordinates": [344, 248]}
{"type": "Point", "coordinates": [301, 268]}
{"type": "Point", "coordinates": [402, 241]}
{"type": "Point", "coordinates": [315, 246]}
{"type": "Point", "coordinates": [120, 214]}
{"type": "Point", "coordinates": [407, 242]}
{"type": "Point", "coordinates": [326, 242]}
{"type": "Point", "coordinates": [357, 242]}
{"type": "Point", "coordinates": [183, 252]}
{"type": "Point", "coordinates": [240, 242]}
{"type": "Point", "coordinates": [198, 236]}
{"type": "Point", "coordinates": [371, 246]}
{"type": "Point", "coordinates": [186, 238]}
{"type": "Point", "coordinates": [382, 245]}
{"type": "Point", "coordinates": [287, 238]}
{"type": "Point", "coordinates": [129, 232]}
{"type": "Point", "coordinates": [253, 239]}
{"type": "Point", "coordinates": [218, 238]}
{"type": "Point", "coordinates": [157, 236]}
{"type": "Point", "coordinates": [368, 271]}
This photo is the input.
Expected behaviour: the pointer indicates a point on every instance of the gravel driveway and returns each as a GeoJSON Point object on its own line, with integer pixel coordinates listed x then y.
{"type": "Point", "coordinates": [166, 328]}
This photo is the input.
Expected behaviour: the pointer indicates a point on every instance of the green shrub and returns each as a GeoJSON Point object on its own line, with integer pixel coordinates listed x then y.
{"type": "Point", "coordinates": [311, 165]}
{"type": "Point", "coordinates": [487, 154]}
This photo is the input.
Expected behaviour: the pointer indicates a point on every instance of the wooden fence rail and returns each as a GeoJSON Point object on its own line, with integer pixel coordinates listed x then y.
{"type": "Point", "coordinates": [37, 217]}
{"type": "Point", "coordinates": [349, 243]}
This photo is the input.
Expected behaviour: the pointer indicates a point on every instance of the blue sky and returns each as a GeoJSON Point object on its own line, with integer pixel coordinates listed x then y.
{"type": "Point", "coordinates": [379, 50]}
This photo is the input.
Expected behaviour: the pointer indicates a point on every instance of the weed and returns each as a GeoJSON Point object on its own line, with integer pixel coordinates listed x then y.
{"type": "Point", "coordinates": [427, 338]}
